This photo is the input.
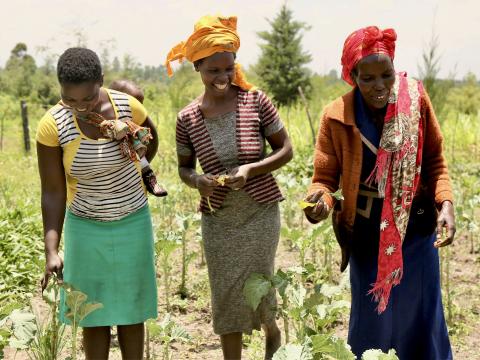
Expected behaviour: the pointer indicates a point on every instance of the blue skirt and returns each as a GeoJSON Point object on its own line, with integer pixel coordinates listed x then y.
{"type": "Point", "coordinates": [413, 323]}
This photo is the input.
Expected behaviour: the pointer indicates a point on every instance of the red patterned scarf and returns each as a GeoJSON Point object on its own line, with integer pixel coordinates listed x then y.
{"type": "Point", "coordinates": [397, 173]}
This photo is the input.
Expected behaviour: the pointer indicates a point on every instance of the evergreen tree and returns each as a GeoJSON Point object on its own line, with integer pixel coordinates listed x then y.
{"type": "Point", "coordinates": [116, 66]}
{"type": "Point", "coordinates": [281, 64]}
{"type": "Point", "coordinates": [19, 71]}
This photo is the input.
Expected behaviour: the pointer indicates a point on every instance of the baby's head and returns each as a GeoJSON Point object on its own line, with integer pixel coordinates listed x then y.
{"type": "Point", "coordinates": [128, 87]}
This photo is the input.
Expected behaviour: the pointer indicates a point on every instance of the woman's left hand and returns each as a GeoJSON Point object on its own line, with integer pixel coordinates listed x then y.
{"type": "Point", "coordinates": [446, 219]}
{"type": "Point", "coordinates": [237, 177]}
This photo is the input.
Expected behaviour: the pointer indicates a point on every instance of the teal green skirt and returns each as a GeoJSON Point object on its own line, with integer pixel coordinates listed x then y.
{"type": "Point", "coordinates": [113, 264]}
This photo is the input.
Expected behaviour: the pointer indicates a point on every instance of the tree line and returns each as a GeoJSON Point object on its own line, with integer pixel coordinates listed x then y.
{"type": "Point", "coordinates": [280, 70]}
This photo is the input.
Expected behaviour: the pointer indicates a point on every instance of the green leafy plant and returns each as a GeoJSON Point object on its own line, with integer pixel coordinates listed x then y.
{"type": "Point", "coordinates": [308, 310]}
{"type": "Point", "coordinates": [374, 354]}
{"type": "Point", "coordinates": [164, 247]}
{"type": "Point", "coordinates": [184, 224]}
{"type": "Point", "coordinates": [293, 352]}
{"type": "Point", "coordinates": [42, 339]}
{"type": "Point", "coordinates": [23, 328]}
{"type": "Point", "coordinates": [78, 309]}
{"type": "Point", "coordinates": [167, 331]}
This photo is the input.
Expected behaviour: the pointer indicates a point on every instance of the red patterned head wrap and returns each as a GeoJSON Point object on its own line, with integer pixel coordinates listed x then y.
{"type": "Point", "coordinates": [365, 42]}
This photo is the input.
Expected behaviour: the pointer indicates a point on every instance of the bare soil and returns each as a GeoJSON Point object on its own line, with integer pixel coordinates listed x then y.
{"type": "Point", "coordinates": [193, 313]}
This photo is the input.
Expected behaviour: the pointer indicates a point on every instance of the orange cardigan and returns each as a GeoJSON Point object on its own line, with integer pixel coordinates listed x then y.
{"type": "Point", "coordinates": [338, 157]}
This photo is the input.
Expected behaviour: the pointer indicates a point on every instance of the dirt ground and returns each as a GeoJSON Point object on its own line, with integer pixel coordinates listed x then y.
{"type": "Point", "coordinates": [194, 313]}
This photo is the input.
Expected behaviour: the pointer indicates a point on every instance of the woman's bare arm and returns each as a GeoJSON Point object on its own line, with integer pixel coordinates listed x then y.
{"type": "Point", "coordinates": [53, 200]}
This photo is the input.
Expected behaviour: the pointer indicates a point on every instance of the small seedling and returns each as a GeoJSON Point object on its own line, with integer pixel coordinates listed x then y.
{"type": "Point", "coordinates": [78, 309]}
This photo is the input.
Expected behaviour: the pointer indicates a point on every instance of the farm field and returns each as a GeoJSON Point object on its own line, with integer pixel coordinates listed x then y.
{"type": "Point", "coordinates": [308, 256]}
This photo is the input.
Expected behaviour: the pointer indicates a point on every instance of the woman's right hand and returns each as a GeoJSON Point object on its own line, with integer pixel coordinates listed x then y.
{"type": "Point", "coordinates": [318, 212]}
{"type": "Point", "coordinates": [54, 264]}
{"type": "Point", "coordinates": [205, 184]}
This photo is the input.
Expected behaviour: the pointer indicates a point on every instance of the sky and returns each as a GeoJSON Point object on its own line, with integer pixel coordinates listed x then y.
{"type": "Point", "coordinates": [147, 29]}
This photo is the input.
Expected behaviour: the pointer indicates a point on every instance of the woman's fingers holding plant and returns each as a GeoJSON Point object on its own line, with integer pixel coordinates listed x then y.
{"type": "Point", "coordinates": [205, 184]}
{"type": "Point", "coordinates": [53, 265]}
{"type": "Point", "coordinates": [446, 220]}
{"type": "Point", "coordinates": [237, 177]}
{"type": "Point", "coordinates": [320, 210]}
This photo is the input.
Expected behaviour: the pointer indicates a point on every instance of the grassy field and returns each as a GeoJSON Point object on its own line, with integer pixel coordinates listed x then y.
{"type": "Point", "coordinates": [183, 329]}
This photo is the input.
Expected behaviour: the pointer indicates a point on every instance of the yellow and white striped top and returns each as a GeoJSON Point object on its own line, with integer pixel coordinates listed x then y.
{"type": "Point", "coordinates": [102, 183]}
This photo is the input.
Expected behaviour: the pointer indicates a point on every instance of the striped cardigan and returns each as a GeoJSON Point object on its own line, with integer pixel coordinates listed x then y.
{"type": "Point", "coordinates": [254, 112]}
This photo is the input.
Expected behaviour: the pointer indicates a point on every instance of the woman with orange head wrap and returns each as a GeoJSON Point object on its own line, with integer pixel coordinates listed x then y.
{"type": "Point", "coordinates": [383, 141]}
{"type": "Point", "coordinates": [226, 128]}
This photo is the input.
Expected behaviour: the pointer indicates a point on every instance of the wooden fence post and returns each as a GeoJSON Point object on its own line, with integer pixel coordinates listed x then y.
{"type": "Point", "coordinates": [26, 134]}
{"type": "Point", "coordinates": [302, 95]}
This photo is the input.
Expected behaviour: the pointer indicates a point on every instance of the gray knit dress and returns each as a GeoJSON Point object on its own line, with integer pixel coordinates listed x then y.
{"type": "Point", "coordinates": [239, 238]}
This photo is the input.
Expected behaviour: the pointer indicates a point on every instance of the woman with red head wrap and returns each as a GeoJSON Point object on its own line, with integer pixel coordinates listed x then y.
{"type": "Point", "coordinates": [381, 144]}
{"type": "Point", "coordinates": [226, 129]}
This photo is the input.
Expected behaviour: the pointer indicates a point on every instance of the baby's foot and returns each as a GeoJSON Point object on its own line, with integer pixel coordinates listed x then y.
{"type": "Point", "coordinates": [150, 181]}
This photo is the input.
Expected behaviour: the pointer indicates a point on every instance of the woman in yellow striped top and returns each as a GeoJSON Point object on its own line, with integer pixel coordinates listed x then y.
{"type": "Point", "coordinates": [88, 181]}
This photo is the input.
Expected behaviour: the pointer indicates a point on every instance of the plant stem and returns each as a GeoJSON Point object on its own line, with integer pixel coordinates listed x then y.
{"type": "Point", "coordinates": [54, 348]}
{"type": "Point", "coordinates": [302, 255]}
{"type": "Point", "coordinates": [285, 318]}
{"type": "Point", "coordinates": [183, 289]}
{"type": "Point", "coordinates": [329, 267]}
{"type": "Point", "coordinates": [166, 354]}
{"type": "Point", "coordinates": [147, 341]}
{"type": "Point", "coordinates": [166, 281]}
{"type": "Point", "coordinates": [74, 341]}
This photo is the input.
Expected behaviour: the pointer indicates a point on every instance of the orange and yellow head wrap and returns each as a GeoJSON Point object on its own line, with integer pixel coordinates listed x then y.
{"type": "Point", "coordinates": [211, 34]}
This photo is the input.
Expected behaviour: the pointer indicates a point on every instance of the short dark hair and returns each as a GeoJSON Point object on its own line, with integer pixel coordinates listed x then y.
{"type": "Point", "coordinates": [77, 65]}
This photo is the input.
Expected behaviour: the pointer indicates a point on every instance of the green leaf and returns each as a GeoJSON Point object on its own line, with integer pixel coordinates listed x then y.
{"type": "Point", "coordinates": [7, 309]}
{"type": "Point", "coordinates": [74, 300]}
{"type": "Point", "coordinates": [296, 295]}
{"type": "Point", "coordinates": [331, 346]}
{"type": "Point", "coordinates": [310, 268]}
{"type": "Point", "coordinates": [305, 204]}
{"type": "Point", "coordinates": [78, 309]}
{"type": "Point", "coordinates": [330, 291]}
{"type": "Point", "coordinates": [343, 351]}
{"type": "Point", "coordinates": [338, 195]}
{"type": "Point", "coordinates": [153, 328]}
{"type": "Point", "coordinates": [86, 309]}
{"type": "Point", "coordinates": [375, 354]}
{"type": "Point", "coordinates": [167, 330]}
{"type": "Point", "coordinates": [166, 322]}
{"type": "Point", "coordinates": [293, 352]}
{"type": "Point", "coordinates": [322, 311]}
{"type": "Point", "coordinates": [280, 281]}
{"type": "Point", "coordinates": [296, 270]}
{"type": "Point", "coordinates": [255, 288]}
{"type": "Point", "coordinates": [339, 305]}
{"type": "Point", "coordinates": [24, 328]}
{"type": "Point", "coordinates": [180, 334]}
{"type": "Point", "coordinates": [322, 344]}
{"type": "Point", "coordinates": [313, 300]}
{"type": "Point", "coordinates": [50, 295]}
